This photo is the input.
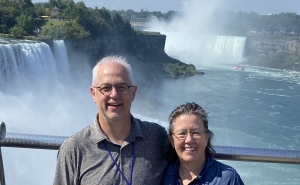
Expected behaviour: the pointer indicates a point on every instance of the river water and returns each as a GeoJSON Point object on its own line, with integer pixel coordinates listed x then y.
{"type": "Point", "coordinates": [256, 107]}
{"type": "Point", "coordinates": [252, 108]}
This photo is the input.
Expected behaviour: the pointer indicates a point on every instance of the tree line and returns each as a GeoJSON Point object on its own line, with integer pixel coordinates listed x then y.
{"type": "Point", "coordinates": [22, 17]}
{"type": "Point", "coordinates": [241, 23]}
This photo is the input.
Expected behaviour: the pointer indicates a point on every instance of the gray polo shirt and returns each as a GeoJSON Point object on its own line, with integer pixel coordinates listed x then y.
{"type": "Point", "coordinates": [83, 158]}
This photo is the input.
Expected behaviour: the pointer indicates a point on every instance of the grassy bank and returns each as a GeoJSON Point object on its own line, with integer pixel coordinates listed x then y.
{"type": "Point", "coordinates": [48, 23]}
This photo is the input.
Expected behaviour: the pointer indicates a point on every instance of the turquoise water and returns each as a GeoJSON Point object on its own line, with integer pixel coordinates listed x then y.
{"type": "Point", "coordinates": [252, 108]}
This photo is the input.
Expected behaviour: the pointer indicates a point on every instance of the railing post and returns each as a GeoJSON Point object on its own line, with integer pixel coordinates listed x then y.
{"type": "Point", "coordinates": [2, 136]}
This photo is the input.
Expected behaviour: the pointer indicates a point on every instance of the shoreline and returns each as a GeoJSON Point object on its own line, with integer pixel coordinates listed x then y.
{"type": "Point", "coordinates": [283, 69]}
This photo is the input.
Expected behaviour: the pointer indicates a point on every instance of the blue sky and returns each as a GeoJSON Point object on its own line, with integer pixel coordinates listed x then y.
{"type": "Point", "coordinates": [258, 6]}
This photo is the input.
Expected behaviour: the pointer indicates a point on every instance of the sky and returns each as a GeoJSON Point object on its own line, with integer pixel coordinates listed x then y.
{"type": "Point", "coordinates": [258, 6]}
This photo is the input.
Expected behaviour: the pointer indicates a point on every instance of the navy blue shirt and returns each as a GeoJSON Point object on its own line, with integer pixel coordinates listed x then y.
{"type": "Point", "coordinates": [214, 172]}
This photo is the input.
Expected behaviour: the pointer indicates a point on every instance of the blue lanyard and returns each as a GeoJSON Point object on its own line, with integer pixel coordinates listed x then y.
{"type": "Point", "coordinates": [131, 166]}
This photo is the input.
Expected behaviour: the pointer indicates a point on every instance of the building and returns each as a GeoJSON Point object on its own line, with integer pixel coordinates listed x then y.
{"type": "Point", "coordinates": [54, 11]}
{"type": "Point", "coordinates": [139, 22]}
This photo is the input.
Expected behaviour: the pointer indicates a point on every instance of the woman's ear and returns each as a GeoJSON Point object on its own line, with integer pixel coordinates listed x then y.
{"type": "Point", "coordinates": [171, 140]}
{"type": "Point", "coordinates": [207, 136]}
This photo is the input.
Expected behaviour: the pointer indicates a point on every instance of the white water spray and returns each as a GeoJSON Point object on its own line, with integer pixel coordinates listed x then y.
{"type": "Point", "coordinates": [190, 36]}
{"type": "Point", "coordinates": [38, 96]}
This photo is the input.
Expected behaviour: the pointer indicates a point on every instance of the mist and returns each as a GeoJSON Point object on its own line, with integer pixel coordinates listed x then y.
{"type": "Point", "coordinates": [45, 93]}
{"type": "Point", "coordinates": [193, 35]}
{"type": "Point", "coordinates": [41, 97]}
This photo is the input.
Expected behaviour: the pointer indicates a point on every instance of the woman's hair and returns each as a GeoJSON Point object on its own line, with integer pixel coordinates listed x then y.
{"type": "Point", "coordinates": [189, 109]}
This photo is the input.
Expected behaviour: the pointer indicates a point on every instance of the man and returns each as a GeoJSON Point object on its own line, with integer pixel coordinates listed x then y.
{"type": "Point", "coordinates": [116, 148]}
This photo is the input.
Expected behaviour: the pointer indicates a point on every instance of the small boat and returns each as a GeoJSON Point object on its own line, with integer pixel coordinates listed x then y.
{"type": "Point", "coordinates": [239, 68]}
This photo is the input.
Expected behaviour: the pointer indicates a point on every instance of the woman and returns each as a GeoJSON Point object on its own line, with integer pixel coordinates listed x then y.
{"type": "Point", "coordinates": [191, 152]}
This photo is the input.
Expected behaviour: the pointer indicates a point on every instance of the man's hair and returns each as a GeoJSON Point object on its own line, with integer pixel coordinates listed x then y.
{"type": "Point", "coordinates": [190, 109]}
{"type": "Point", "coordinates": [113, 59]}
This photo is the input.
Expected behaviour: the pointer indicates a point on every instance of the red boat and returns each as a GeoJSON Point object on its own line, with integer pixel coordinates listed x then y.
{"type": "Point", "coordinates": [240, 68]}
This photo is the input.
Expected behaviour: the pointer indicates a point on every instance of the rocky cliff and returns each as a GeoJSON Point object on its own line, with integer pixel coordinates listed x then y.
{"type": "Point", "coordinates": [273, 51]}
{"type": "Point", "coordinates": [265, 45]}
{"type": "Point", "coordinates": [144, 52]}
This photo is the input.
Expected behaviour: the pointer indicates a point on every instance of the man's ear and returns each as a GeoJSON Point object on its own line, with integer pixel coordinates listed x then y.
{"type": "Point", "coordinates": [171, 140]}
{"type": "Point", "coordinates": [93, 93]}
{"type": "Point", "coordinates": [134, 89]}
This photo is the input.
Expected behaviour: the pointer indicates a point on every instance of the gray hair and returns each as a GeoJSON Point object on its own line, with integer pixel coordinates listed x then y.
{"type": "Point", "coordinates": [193, 109]}
{"type": "Point", "coordinates": [114, 59]}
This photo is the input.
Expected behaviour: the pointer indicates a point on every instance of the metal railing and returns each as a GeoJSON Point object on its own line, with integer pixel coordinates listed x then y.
{"type": "Point", "coordinates": [222, 152]}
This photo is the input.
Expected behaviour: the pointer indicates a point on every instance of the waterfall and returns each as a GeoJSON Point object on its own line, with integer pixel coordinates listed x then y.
{"type": "Point", "coordinates": [8, 64]}
{"type": "Point", "coordinates": [36, 97]}
{"type": "Point", "coordinates": [30, 64]}
{"type": "Point", "coordinates": [61, 58]}
{"type": "Point", "coordinates": [206, 49]}
{"type": "Point", "coordinates": [229, 46]}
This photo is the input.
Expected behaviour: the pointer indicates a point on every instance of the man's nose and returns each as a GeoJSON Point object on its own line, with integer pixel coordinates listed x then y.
{"type": "Point", "coordinates": [114, 91]}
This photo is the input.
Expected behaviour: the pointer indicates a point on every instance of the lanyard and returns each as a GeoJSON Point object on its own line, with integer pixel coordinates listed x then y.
{"type": "Point", "coordinates": [131, 165]}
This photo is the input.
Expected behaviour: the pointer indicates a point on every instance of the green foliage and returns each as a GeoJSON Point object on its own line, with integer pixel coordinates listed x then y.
{"type": "Point", "coordinates": [25, 23]}
{"type": "Point", "coordinates": [5, 35]}
{"type": "Point", "coordinates": [73, 30]}
{"type": "Point", "coordinates": [179, 69]}
{"type": "Point", "coordinates": [16, 32]}
{"type": "Point", "coordinates": [121, 27]}
{"type": "Point", "coordinates": [240, 23]}
{"type": "Point", "coordinates": [47, 12]}
{"type": "Point", "coordinates": [41, 9]}
{"type": "Point", "coordinates": [102, 22]}
{"type": "Point", "coordinates": [105, 15]}
{"type": "Point", "coordinates": [69, 30]}
{"type": "Point", "coordinates": [139, 32]}
{"type": "Point", "coordinates": [55, 31]}
{"type": "Point", "coordinates": [3, 29]}
{"type": "Point", "coordinates": [24, 15]}
{"type": "Point", "coordinates": [17, 14]}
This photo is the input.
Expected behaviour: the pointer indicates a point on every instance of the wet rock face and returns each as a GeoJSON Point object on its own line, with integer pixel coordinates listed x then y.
{"type": "Point", "coordinates": [140, 45]}
{"type": "Point", "coordinates": [264, 45]}
{"type": "Point", "coordinates": [145, 53]}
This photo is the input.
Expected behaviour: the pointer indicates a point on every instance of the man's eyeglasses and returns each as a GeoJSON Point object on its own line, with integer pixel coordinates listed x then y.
{"type": "Point", "coordinates": [106, 89]}
{"type": "Point", "coordinates": [196, 134]}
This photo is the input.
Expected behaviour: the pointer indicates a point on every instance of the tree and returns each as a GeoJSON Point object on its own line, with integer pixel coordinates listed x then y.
{"type": "Point", "coordinates": [169, 15]}
{"type": "Point", "coordinates": [16, 32]}
{"type": "Point", "coordinates": [3, 28]}
{"type": "Point", "coordinates": [55, 32]}
{"type": "Point", "coordinates": [25, 23]}
{"type": "Point", "coordinates": [47, 11]}
{"type": "Point", "coordinates": [105, 15]}
{"type": "Point", "coordinates": [26, 7]}
{"type": "Point", "coordinates": [73, 30]}
{"type": "Point", "coordinates": [120, 26]}
{"type": "Point", "coordinates": [39, 9]}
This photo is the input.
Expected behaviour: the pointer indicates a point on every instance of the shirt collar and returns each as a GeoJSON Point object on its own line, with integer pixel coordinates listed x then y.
{"type": "Point", "coordinates": [208, 163]}
{"type": "Point", "coordinates": [97, 135]}
{"type": "Point", "coordinates": [136, 130]}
